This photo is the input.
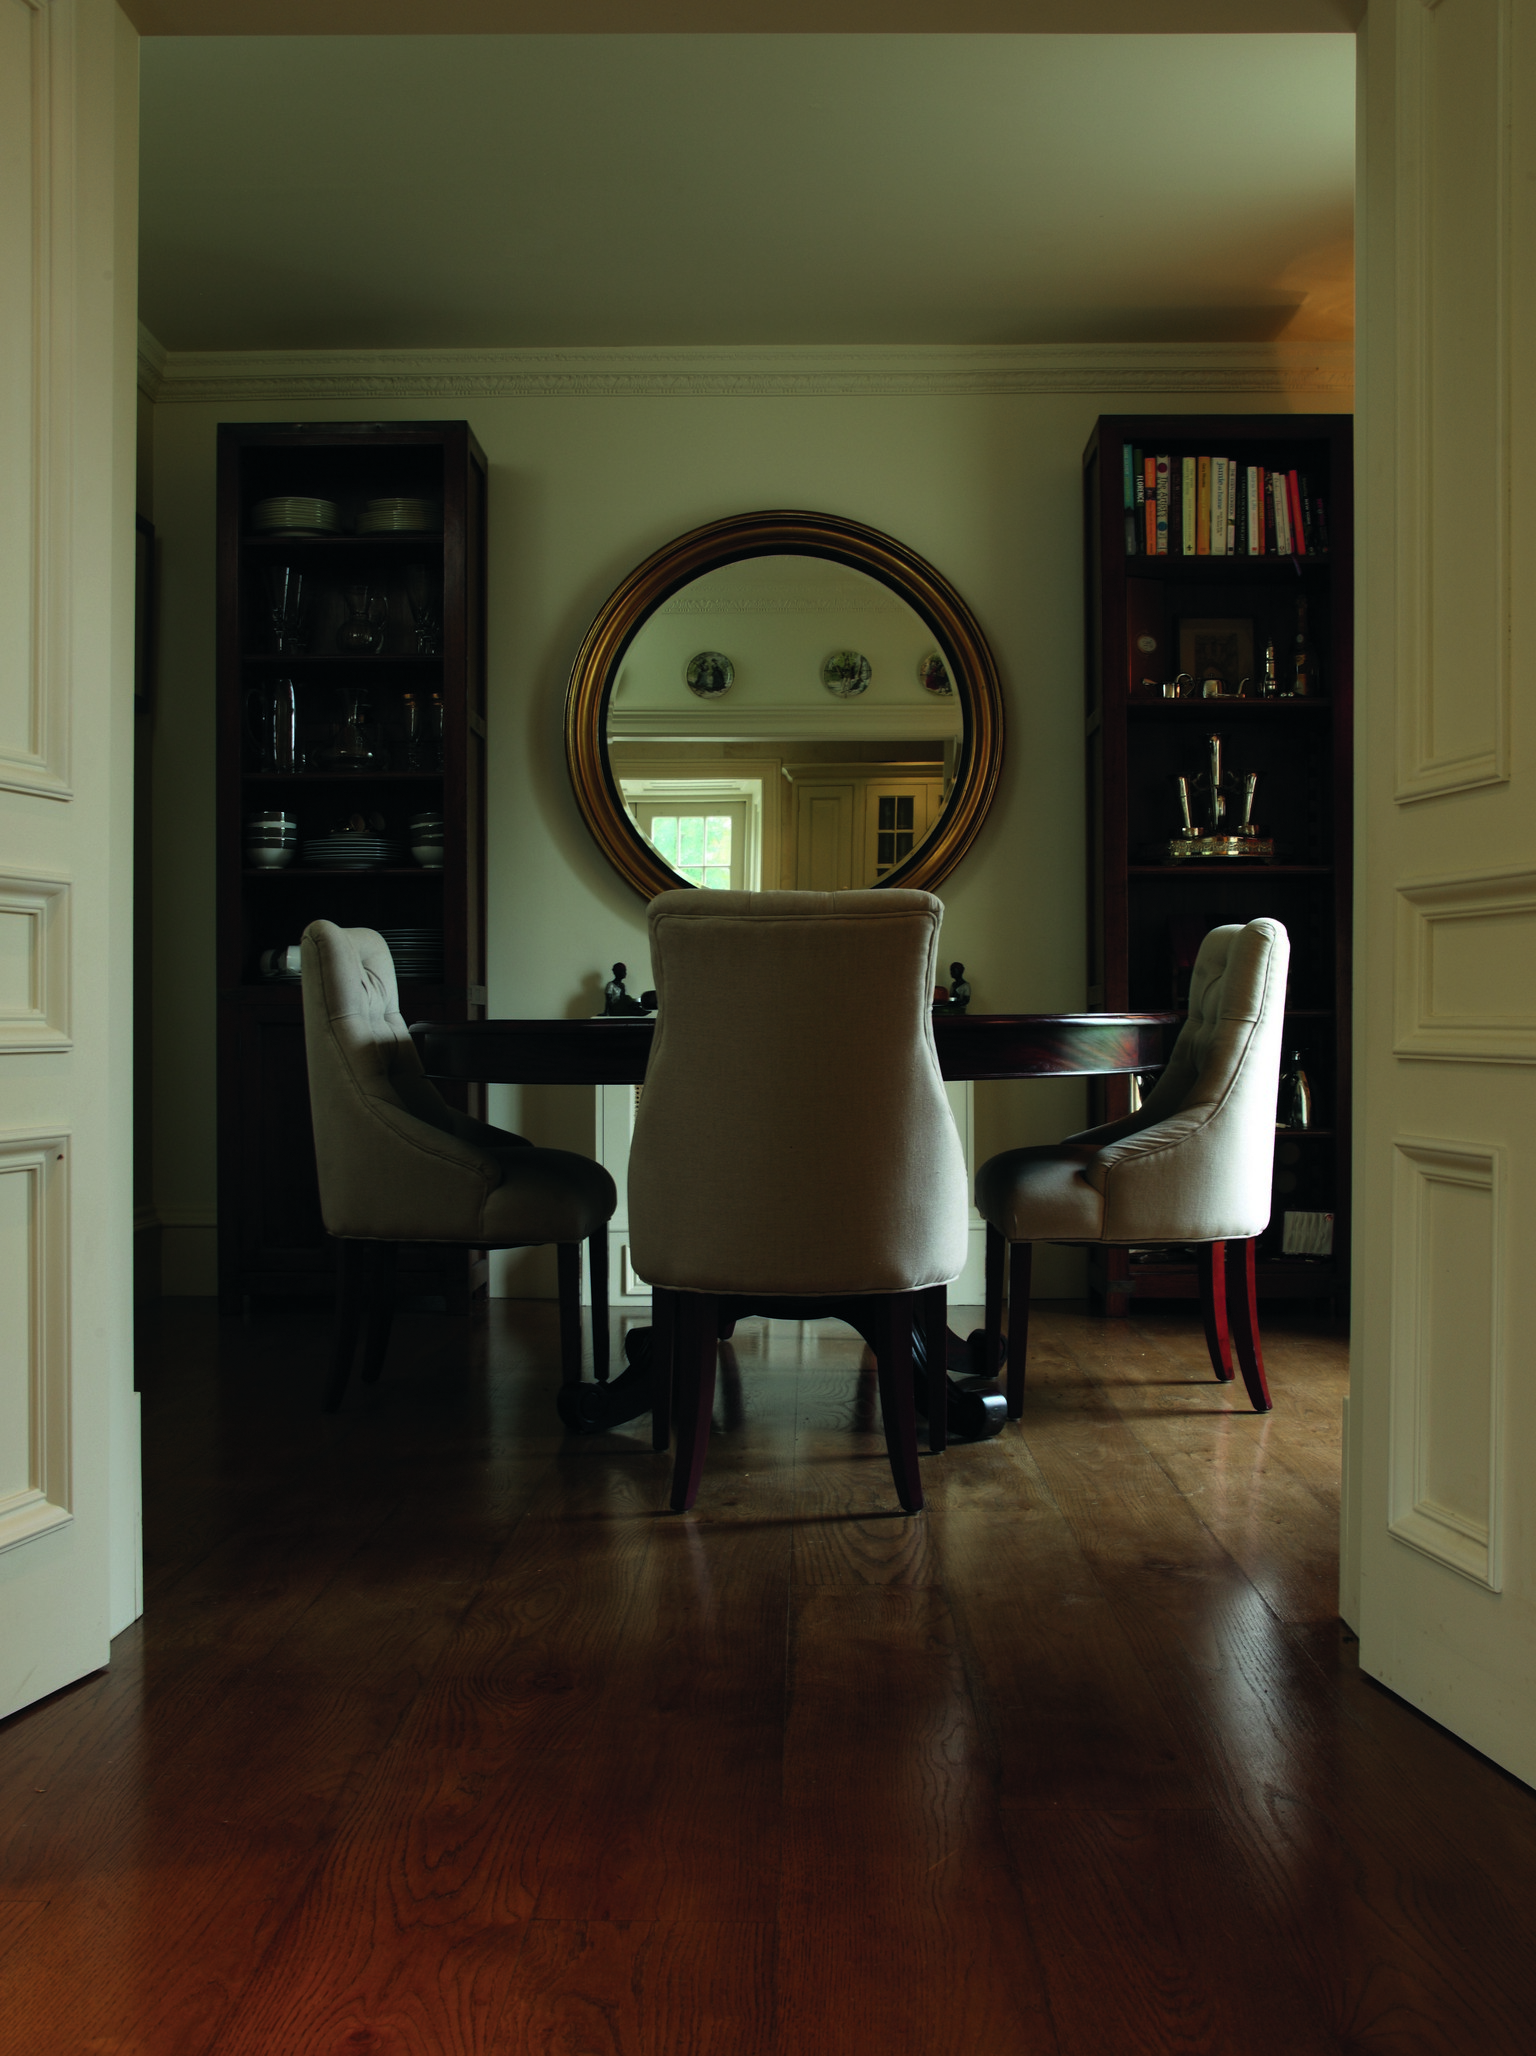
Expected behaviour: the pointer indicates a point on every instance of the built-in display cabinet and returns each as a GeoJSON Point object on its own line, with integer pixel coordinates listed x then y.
{"type": "Point", "coordinates": [351, 785]}
{"type": "Point", "coordinates": [1224, 674]}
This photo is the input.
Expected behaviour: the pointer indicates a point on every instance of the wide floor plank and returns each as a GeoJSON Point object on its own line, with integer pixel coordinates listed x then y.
{"type": "Point", "coordinates": [440, 1737]}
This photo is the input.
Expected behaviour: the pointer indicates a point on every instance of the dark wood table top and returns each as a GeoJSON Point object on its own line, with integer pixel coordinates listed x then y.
{"type": "Point", "coordinates": [970, 1046]}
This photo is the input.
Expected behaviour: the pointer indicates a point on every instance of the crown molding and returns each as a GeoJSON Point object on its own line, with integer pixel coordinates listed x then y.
{"type": "Point", "coordinates": [1167, 370]}
{"type": "Point", "coordinates": [153, 357]}
{"type": "Point", "coordinates": [715, 17]}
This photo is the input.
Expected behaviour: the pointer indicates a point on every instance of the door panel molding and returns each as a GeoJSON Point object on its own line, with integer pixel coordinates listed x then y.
{"type": "Point", "coordinates": [1466, 968]}
{"type": "Point", "coordinates": [34, 1331]}
{"type": "Point", "coordinates": [34, 948]}
{"type": "Point", "coordinates": [1446, 1394]}
{"type": "Point", "coordinates": [1453, 342]}
{"type": "Point", "coordinates": [34, 712]}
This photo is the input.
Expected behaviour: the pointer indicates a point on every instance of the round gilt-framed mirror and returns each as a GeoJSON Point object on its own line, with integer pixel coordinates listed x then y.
{"type": "Point", "coordinates": [849, 729]}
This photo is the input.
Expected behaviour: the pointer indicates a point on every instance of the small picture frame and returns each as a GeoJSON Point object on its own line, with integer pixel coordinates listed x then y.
{"type": "Point", "coordinates": [1216, 649]}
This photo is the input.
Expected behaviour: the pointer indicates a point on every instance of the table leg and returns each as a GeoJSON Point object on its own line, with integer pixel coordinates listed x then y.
{"type": "Point", "coordinates": [975, 1410]}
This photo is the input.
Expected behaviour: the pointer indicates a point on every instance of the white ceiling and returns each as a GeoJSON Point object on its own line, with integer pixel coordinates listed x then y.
{"type": "Point", "coordinates": [485, 191]}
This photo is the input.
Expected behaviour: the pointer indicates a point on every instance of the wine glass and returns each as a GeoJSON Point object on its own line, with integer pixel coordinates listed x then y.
{"type": "Point", "coordinates": [285, 592]}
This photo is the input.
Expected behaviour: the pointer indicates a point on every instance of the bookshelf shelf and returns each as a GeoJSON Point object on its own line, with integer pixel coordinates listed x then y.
{"type": "Point", "coordinates": [1233, 570]}
{"type": "Point", "coordinates": [1195, 868]}
{"type": "Point", "coordinates": [1146, 918]}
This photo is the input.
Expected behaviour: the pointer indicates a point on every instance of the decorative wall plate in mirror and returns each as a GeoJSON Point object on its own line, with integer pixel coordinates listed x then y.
{"type": "Point", "coordinates": [779, 782]}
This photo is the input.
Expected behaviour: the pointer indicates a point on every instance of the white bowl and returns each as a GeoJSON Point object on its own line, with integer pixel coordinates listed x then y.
{"type": "Point", "coordinates": [269, 857]}
{"type": "Point", "coordinates": [429, 855]}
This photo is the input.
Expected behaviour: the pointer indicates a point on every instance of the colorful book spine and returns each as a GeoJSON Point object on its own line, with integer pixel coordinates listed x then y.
{"type": "Point", "coordinates": [1175, 506]}
{"type": "Point", "coordinates": [1129, 488]}
{"type": "Point", "coordinates": [1251, 501]}
{"type": "Point", "coordinates": [1203, 506]}
{"type": "Point", "coordinates": [1161, 473]}
{"type": "Point", "coordinates": [1282, 520]}
{"type": "Point", "coordinates": [1218, 506]}
{"type": "Point", "coordinates": [1240, 501]}
{"type": "Point", "coordinates": [1190, 507]}
{"type": "Point", "coordinates": [1149, 503]}
{"type": "Point", "coordinates": [1138, 495]}
{"type": "Point", "coordinates": [1308, 516]}
{"type": "Point", "coordinates": [1231, 507]}
{"type": "Point", "coordinates": [1293, 510]}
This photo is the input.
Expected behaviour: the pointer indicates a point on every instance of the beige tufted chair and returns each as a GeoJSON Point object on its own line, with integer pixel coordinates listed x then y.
{"type": "Point", "coordinates": [1193, 1164]}
{"type": "Point", "coordinates": [398, 1164]}
{"type": "Point", "coordinates": [793, 1143]}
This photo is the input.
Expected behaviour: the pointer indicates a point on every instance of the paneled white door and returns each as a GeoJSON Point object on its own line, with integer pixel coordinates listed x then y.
{"type": "Point", "coordinates": [68, 1421]}
{"type": "Point", "coordinates": [1439, 1572]}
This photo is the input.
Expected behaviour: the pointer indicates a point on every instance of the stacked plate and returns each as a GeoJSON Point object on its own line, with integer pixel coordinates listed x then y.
{"type": "Point", "coordinates": [346, 851]}
{"type": "Point", "coordinates": [399, 517]}
{"type": "Point", "coordinates": [296, 514]}
{"type": "Point", "coordinates": [418, 954]}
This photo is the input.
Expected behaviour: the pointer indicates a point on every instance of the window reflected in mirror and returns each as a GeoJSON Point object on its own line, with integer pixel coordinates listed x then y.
{"type": "Point", "coordinates": [820, 752]}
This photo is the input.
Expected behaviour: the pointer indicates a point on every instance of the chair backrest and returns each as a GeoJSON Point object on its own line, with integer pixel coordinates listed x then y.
{"type": "Point", "coordinates": [793, 1135]}
{"type": "Point", "coordinates": [390, 1166]}
{"type": "Point", "coordinates": [1206, 1133]}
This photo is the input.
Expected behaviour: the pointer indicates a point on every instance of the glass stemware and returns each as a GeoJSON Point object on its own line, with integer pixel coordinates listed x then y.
{"type": "Point", "coordinates": [285, 594]}
{"type": "Point", "coordinates": [426, 605]}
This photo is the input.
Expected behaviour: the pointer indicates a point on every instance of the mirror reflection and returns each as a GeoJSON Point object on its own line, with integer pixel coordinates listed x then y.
{"type": "Point", "coordinates": [784, 720]}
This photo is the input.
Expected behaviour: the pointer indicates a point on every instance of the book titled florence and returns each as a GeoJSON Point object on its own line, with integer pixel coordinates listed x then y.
{"type": "Point", "coordinates": [1218, 506]}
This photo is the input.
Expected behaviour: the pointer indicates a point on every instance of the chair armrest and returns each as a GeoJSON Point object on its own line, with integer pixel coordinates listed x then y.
{"type": "Point", "coordinates": [481, 1134]}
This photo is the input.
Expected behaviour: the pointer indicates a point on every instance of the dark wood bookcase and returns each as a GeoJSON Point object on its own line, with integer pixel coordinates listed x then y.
{"type": "Point", "coordinates": [1145, 912]}
{"type": "Point", "coordinates": [271, 1239]}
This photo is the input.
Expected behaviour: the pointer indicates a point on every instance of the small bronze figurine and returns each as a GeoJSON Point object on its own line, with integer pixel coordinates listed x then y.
{"type": "Point", "coordinates": [958, 997]}
{"type": "Point", "coordinates": [617, 1004]}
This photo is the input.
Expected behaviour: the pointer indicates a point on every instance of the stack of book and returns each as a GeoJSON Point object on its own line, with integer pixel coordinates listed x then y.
{"type": "Point", "coordinates": [1217, 507]}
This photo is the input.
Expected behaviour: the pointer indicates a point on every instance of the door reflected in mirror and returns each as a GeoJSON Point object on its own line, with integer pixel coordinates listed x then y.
{"type": "Point", "coordinates": [784, 700]}
{"type": "Point", "coordinates": [828, 758]}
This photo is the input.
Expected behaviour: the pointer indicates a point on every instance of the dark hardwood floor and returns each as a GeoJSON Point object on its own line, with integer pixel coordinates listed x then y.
{"type": "Point", "coordinates": [438, 1736]}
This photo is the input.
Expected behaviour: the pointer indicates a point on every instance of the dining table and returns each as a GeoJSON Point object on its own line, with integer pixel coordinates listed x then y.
{"type": "Point", "coordinates": [614, 1050]}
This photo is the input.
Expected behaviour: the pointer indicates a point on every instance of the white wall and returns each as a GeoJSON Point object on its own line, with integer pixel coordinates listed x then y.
{"type": "Point", "coordinates": [986, 483]}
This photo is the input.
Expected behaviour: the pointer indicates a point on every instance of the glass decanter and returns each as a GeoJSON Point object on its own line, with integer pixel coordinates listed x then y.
{"type": "Point", "coordinates": [353, 748]}
{"type": "Point", "coordinates": [361, 633]}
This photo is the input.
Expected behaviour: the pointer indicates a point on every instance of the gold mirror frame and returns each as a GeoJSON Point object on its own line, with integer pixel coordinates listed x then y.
{"type": "Point", "coordinates": [909, 576]}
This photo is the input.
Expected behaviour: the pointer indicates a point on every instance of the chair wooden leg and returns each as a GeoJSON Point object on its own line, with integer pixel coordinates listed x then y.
{"type": "Point", "coordinates": [694, 1348]}
{"type": "Point", "coordinates": [936, 1350]}
{"type": "Point", "coordinates": [1243, 1298]}
{"type": "Point", "coordinates": [993, 1346]}
{"type": "Point", "coordinates": [663, 1338]}
{"type": "Point", "coordinates": [597, 1271]}
{"type": "Point", "coordinates": [351, 1290]}
{"type": "Point", "coordinates": [379, 1289]}
{"type": "Point", "coordinates": [1211, 1265]}
{"type": "Point", "coordinates": [568, 1272]}
{"type": "Point", "coordinates": [893, 1317]}
{"type": "Point", "coordinates": [1020, 1264]}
